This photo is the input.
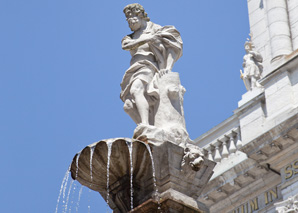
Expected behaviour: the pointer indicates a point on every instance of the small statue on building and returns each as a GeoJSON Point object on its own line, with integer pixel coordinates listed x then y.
{"type": "Point", "coordinates": [252, 66]}
{"type": "Point", "coordinates": [151, 92]}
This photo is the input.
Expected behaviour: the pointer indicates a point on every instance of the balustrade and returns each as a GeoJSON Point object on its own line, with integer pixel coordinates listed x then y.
{"type": "Point", "coordinates": [223, 147]}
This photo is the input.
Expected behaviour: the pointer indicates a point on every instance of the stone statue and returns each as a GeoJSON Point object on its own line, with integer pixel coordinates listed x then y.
{"type": "Point", "coordinates": [151, 93]}
{"type": "Point", "coordinates": [158, 169]}
{"type": "Point", "coordinates": [252, 65]}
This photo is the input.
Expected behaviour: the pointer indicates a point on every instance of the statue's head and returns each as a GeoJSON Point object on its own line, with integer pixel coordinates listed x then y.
{"type": "Point", "coordinates": [248, 46]}
{"type": "Point", "coordinates": [135, 14]}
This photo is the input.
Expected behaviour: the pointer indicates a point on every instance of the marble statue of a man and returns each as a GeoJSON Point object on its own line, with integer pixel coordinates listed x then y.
{"type": "Point", "coordinates": [154, 50]}
{"type": "Point", "coordinates": [252, 65]}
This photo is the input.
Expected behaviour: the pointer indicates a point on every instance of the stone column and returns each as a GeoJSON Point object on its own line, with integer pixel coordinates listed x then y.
{"type": "Point", "coordinates": [278, 23]}
{"type": "Point", "coordinates": [293, 20]}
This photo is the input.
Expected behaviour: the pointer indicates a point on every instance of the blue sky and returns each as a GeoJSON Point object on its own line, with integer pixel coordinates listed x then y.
{"type": "Point", "coordinates": [61, 65]}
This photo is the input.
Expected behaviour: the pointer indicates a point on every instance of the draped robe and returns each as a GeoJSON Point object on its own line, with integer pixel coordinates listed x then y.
{"type": "Point", "coordinates": [149, 58]}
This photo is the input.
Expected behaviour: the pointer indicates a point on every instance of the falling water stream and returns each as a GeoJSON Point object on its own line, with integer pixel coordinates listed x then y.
{"type": "Point", "coordinates": [91, 177]}
{"type": "Point", "coordinates": [153, 174]}
{"type": "Point", "coordinates": [91, 157]}
{"type": "Point", "coordinates": [62, 188]}
{"type": "Point", "coordinates": [75, 185]}
{"type": "Point", "coordinates": [129, 144]}
{"type": "Point", "coordinates": [64, 184]}
{"type": "Point", "coordinates": [79, 198]}
{"type": "Point", "coordinates": [72, 196]}
{"type": "Point", "coordinates": [89, 207]}
{"type": "Point", "coordinates": [77, 164]}
{"type": "Point", "coordinates": [108, 171]}
{"type": "Point", "coordinates": [68, 194]}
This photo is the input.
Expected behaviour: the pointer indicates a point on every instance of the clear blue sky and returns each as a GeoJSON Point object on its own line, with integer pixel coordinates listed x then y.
{"type": "Point", "coordinates": [61, 65]}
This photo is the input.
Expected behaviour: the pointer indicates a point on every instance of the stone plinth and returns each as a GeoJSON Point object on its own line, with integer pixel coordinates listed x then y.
{"type": "Point", "coordinates": [250, 95]}
{"type": "Point", "coordinates": [172, 183]}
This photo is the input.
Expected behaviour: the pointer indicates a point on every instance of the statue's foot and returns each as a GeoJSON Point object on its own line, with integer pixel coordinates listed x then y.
{"type": "Point", "coordinates": [139, 130]}
{"type": "Point", "coordinates": [142, 138]}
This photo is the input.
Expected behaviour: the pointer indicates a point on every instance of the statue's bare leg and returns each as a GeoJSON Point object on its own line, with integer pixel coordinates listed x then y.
{"type": "Point", "coordinates": [137, 91]}
{"type": "Point", "coordinates": [130, 108]}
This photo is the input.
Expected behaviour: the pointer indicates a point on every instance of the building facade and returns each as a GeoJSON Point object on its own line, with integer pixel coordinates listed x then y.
{"type": "Point", "coordinates": [256, 149]}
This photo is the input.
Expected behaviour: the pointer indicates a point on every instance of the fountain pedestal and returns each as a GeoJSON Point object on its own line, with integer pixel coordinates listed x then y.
{"type": "Point", "coordinates": [163, 176]}
{"type": "Point", "coordinates": [158, 170]}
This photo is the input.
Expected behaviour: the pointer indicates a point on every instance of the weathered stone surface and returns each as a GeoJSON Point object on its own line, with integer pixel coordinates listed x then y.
{"type": "Point", "coordinates": [174, 183]}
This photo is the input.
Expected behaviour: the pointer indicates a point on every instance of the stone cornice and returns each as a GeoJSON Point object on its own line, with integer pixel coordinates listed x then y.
{"type": "Point", "coordinates": [288, 63]}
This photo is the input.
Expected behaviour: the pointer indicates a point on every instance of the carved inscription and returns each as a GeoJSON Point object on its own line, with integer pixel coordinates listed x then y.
{"type": "Point", "coordinates": [250, 206]}
{"type": "Point", "coordinates": [270, 196]}
{"type": "Point", "coordinates": [259, 202]}
{"type": "Point", "coordinates": [290, 171]}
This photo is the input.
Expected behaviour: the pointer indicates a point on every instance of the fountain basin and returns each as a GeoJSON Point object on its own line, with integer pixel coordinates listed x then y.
{"type": "Point", "coordinates": [167, 185]}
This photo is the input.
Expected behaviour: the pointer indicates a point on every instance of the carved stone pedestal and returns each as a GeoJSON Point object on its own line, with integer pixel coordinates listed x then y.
{"type": "Point", "coordinates": [172, 202]}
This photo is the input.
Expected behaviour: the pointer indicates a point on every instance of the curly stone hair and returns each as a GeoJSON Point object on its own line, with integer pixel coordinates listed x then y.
{"type": "Point", "coordinates": [250, 44]}
{"type": "Point", "coordinates": [137, 9]}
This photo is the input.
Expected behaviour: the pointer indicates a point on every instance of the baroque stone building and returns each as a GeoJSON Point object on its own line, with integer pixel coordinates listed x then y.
{"type": "Point", "coordinates": [256, 149]}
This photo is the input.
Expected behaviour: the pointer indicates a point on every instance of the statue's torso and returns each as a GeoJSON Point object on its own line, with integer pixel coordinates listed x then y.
{"type": "Point", "coordinates": [144, 51]}
{"type": "Point", "coordinates": [249, 60]}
